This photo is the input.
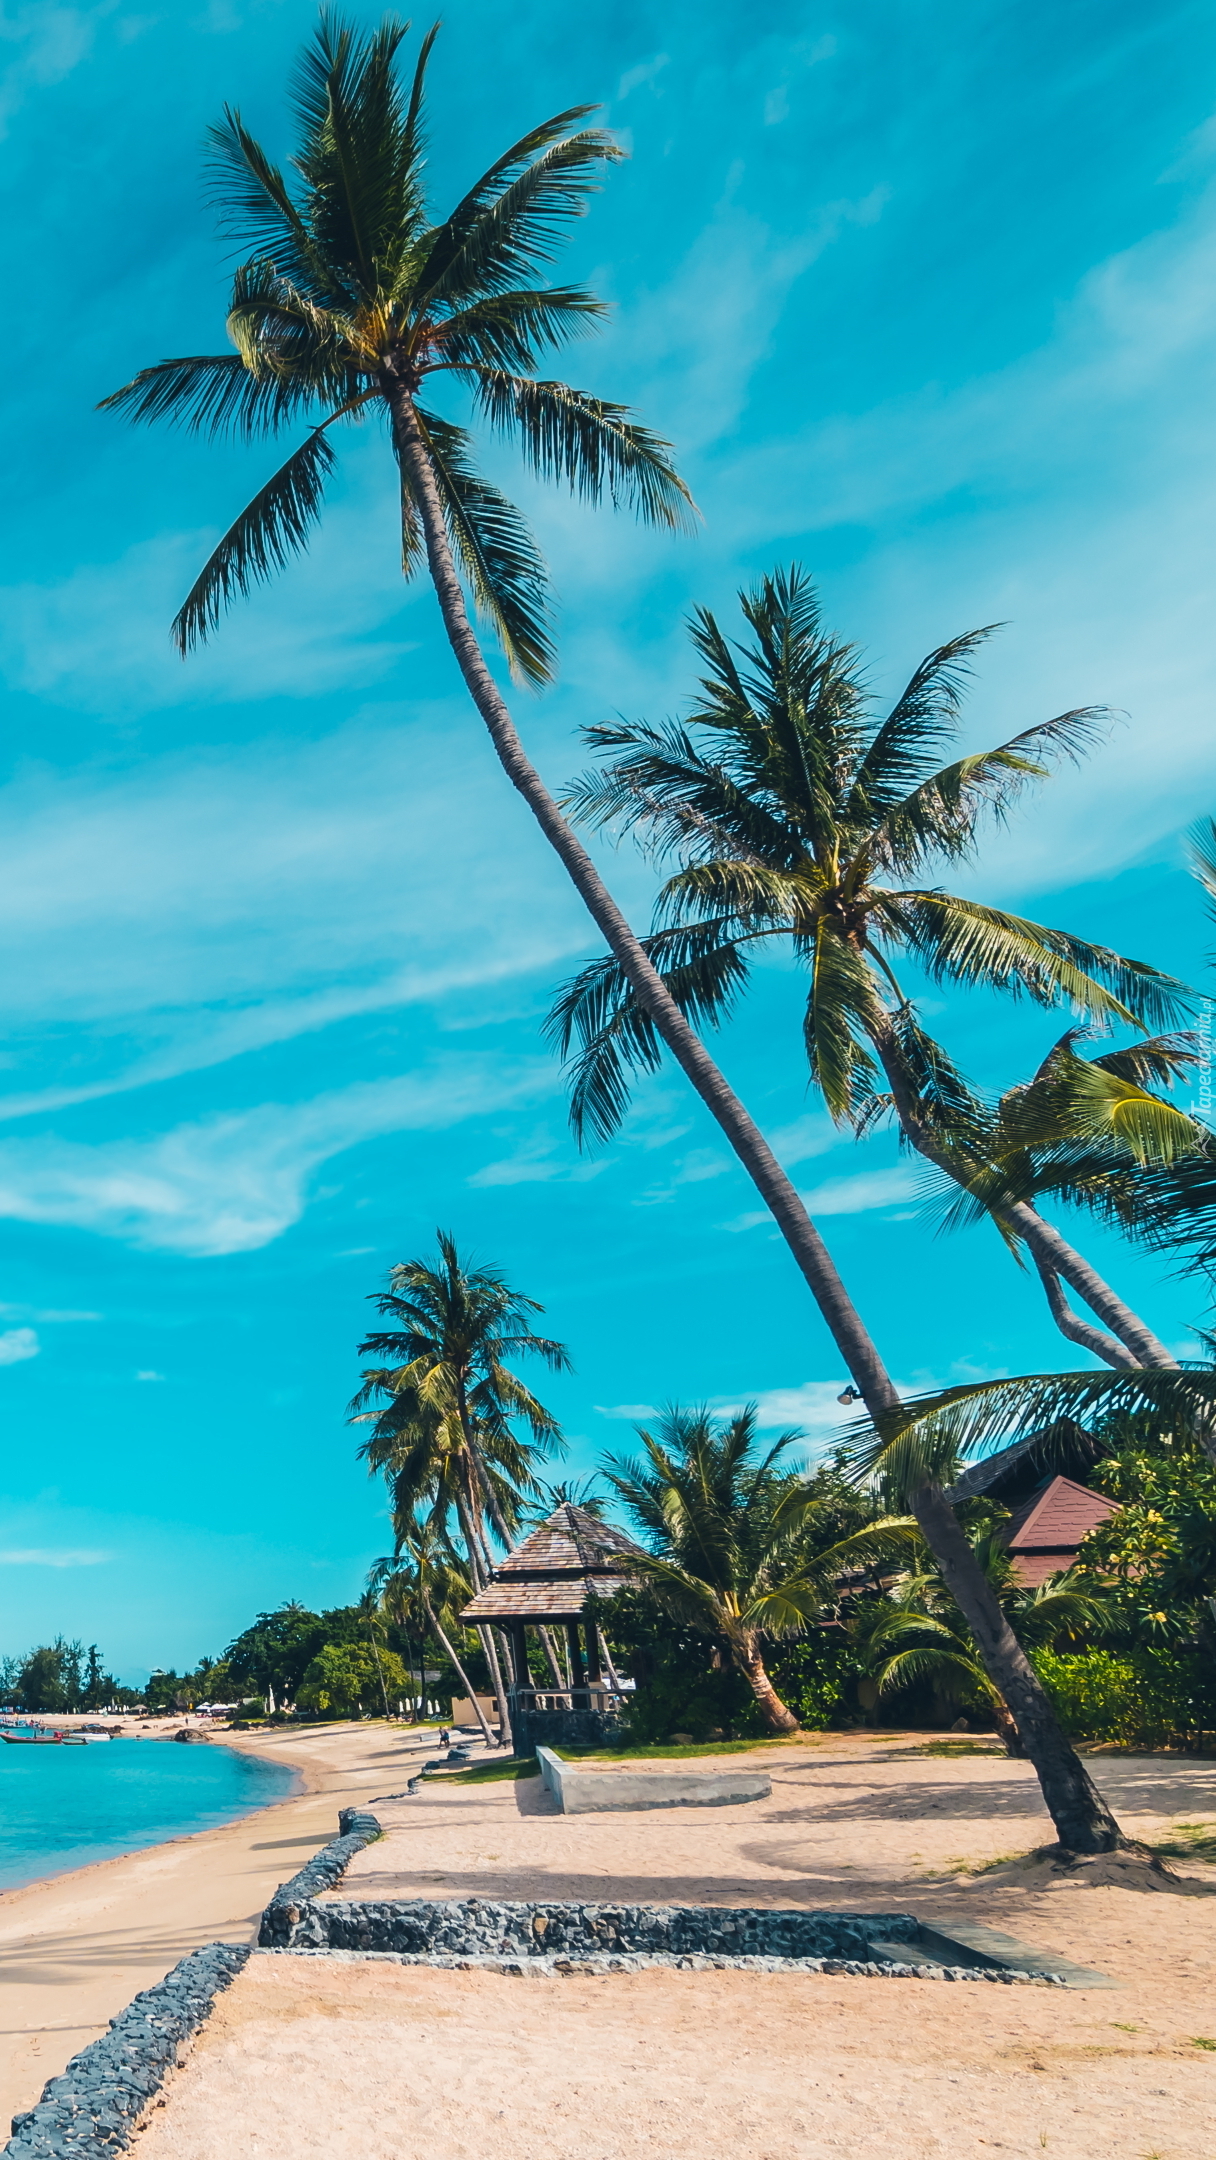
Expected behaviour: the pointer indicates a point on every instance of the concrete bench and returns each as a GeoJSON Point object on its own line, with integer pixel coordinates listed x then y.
{"type": "Point", "coordinates": [582, 1791]}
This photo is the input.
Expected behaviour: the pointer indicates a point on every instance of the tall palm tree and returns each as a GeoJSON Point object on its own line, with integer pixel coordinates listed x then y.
{"type": "Point", "coordinates": [796, 813]}
{"type": "Point", "coordinates": [729, 1531]}
{"type": "Point", "coordinates": [348, 299]}
{"type": "Point", "coordinates": [447, 1402]}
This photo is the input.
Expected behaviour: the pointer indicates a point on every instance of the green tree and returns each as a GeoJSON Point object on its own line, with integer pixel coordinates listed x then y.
{"type": "Point", "coordinates": [342, 1680]}
{"type": "Point", "coordinates": [445, 1429]}
{"type": "Point", "coordinates": [729, 1528]}
{"type": "Point", "coordinates": [275, 1651]}
{"type": "Point", "coordinates": [797, 814]}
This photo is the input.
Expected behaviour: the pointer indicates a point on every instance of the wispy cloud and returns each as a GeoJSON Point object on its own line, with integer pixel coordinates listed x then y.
{"type": "Point", "coordinates": [861, 1194]}
{"type": "Point", "coordinates": [50, 1556]}
{"type": "Point", "coordinates": [233, 1183]}
{"type": "Point", "coordinates": [17, 1344]}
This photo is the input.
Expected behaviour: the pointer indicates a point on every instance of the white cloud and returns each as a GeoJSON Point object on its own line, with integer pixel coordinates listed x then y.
{"type": "Point", "coordinates": [149, 1375]}
{"type": "Point", "coordinates": [635, 1411]}
{"type": "Point", "coordinates": [17, 1344]}
{"type": "Point", "coordinates": [646, 71]}
{"type": "Point", "coordinates": [535, 1162]}
{"type": "Point", "coordinates": [49, 1556]}
{"type": "Point", "coordinates": [857, 1195]}
{"type": "Point", "coordinates": [867, 1190]}
{"type": "Point", "coordinates": [235, 1182]}
{"type": "Point", "coordinates": [812, 1407]}
{"type": "Point", "coordinates": [48, 1316]}
{"type": "Point", "coordinates": [804, 1137]}
{"type": "Point", "coordinates": [201, 908]}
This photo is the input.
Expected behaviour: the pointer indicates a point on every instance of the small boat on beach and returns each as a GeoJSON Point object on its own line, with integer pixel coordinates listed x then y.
{"type": "Point", "coordinates": [42, 1739]}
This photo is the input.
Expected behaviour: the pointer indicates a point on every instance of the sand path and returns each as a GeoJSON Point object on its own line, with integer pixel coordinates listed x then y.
{"type": "Point", "coordinates": [75, 1948]}
{"type": "Point", "coordinates": [363, 2061]}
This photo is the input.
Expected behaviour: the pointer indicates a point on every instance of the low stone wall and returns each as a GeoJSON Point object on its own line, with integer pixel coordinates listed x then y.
{"type": "Point", "coordinates": [481, 1927]}
{"type": "Point", "coordinates": [96, 2105]}
{"type": "Point", "coordinates": [534, 1729]}
{"type": "Point", "coordinates": [579, 1791]}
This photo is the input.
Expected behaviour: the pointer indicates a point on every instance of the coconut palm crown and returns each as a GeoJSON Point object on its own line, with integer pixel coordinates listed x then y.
{"type": "Point", "coordinates": [797, 812]}
{"type": "Point", "coordinates": [352, 294]}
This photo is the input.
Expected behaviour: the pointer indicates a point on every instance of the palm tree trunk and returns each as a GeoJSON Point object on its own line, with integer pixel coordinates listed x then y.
{"type": "Point", "coordinates": [465, 1681]}
{"type": "Point", "coordinates": [1007, 1728]}
{"type": "Point", "coordinates": [1070, 1323]}
{"type": "Point", "coordinates": [1081, 1816]}
{"type": "Point", "coordinates": [776, 1714]}
{"type": "Point", "coordinates": [470, 1529]}
{"type": "Point", "coordinates": [551, 1655]}
{"type": "Point", "coordinates": [1052, 1253]}
{"type": "Point", "coordinates": [1094, 1831]}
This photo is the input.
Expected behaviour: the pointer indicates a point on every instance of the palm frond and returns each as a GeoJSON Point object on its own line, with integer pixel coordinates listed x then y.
{"type": "Point", "coordinates": [357, 160]}
{"type": "Point", "coordinates": [510, 329]}
{"type": "Point", "coordinates": [923, 719]}
{"type": "Point", "coordinates": [925, 1439]}
{"type": "Point", "coordinates": [842, 1005]}
{"type": "Point", "coordinates": [510, 220]}
{"type": "Point", "coordinates": [598, 1010]}
{"type": "Point", "coordinates": [496, 551]}
{"type": "Point", "coordinates": [961, 941]}
{"type": "Point", "coordinates": [590, 444]}
{"type": "Point", "coordinates": [210, 394]}
{"type": "Point", "coordinates": [255, 204]}
{"type": "Point", "coordinates": [940, 817]}
{"type": "Point", "coordinates": [272, 528]}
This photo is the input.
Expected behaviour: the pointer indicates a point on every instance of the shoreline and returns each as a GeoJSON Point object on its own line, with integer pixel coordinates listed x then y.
{"type": "Point", "coordinates": [77, 1945]}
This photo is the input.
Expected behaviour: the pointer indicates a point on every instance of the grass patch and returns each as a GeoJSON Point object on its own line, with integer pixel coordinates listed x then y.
{"type": "Point", "coordinates": [1200, 2040]}
{"type": "Point", "coordinates": [1191, 1841]}
{"type": "Point", "coordinates": [493, 1773]}
{"type": "Point", "coordinates": [670, 1750]}
{"type": "Point", "coordinates": [950, 1748]}
{"type": "Point", "coordinates": [985, 1867]}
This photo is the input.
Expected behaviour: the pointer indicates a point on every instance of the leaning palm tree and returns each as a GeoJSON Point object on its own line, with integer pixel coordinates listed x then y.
{"type": "Point", "coordinates": [443, 1402]}
{"type": "Point", "coordinates": [795, 813]}
{"type": "Point", "coordinates": [917, 1632]}
{"type": "Point", "coordinates": [729, 1531]}
{"type": "Point", "coordinates": [350, 298]}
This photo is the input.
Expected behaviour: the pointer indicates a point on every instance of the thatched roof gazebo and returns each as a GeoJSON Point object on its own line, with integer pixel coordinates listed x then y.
{"type": "Point", "coordinates": [547, 1581]}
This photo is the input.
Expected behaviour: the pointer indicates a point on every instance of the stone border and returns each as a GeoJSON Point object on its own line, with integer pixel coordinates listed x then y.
{"type": "Point", "coordinates": [480, 1933]}
{"type": "Point", "coordinates": [96, 2105]}
{"type": "Point", "coordinates": [548, 1968]}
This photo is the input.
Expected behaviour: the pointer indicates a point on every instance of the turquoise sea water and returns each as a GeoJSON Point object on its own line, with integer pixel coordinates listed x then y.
{"type": "Point", "coordinates": [61, 1807]}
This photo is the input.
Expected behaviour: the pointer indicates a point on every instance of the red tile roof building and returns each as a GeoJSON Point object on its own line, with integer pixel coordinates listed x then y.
{"type": "Point", "coordinates": [1044, 1535]}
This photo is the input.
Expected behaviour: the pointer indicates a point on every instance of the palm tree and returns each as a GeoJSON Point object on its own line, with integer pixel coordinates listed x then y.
{"type": "Point", "coordinates": [729, 1533]}
{"type": "Point", "coordinates": [918, 1633]}
{"type": "Point", "coordinates": [419, 1582]}
{"type": "Point", "coordinates": [796, 813]}
{"type": "Point", "coordinates": [444, 1431]}
{"type": "Point", "coordinates": [347, 300]}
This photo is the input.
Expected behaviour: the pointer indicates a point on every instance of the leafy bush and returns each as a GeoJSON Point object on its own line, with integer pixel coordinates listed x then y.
{"type": "Point", "coordinates": [1142, 1698]}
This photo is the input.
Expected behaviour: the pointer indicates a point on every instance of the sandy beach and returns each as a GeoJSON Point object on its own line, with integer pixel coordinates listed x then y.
{"type": "Point", "coordinates": [369, 2061]}
{"type": "Point", "coordinates": [75, 1948]}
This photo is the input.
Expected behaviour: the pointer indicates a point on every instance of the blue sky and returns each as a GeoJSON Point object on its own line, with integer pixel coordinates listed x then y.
{"type": "Point", "coordinates": [923, 294]}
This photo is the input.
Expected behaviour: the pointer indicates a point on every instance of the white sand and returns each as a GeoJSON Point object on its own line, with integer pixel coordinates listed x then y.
{"type": "Point", "coordinates": [365, 2061]}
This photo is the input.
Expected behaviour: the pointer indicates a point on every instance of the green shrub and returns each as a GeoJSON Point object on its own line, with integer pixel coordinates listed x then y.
{"type": "Point", "coordinates": [1142, 1697]}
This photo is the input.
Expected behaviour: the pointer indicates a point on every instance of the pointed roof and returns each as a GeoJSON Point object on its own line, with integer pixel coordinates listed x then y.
{"type": "Point", "coordinates": [553, 1573]}
{"type": "Point", "coordinates": [1014, 1471]}
{"type": "Point", "coordinates": [1057, 1518]}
